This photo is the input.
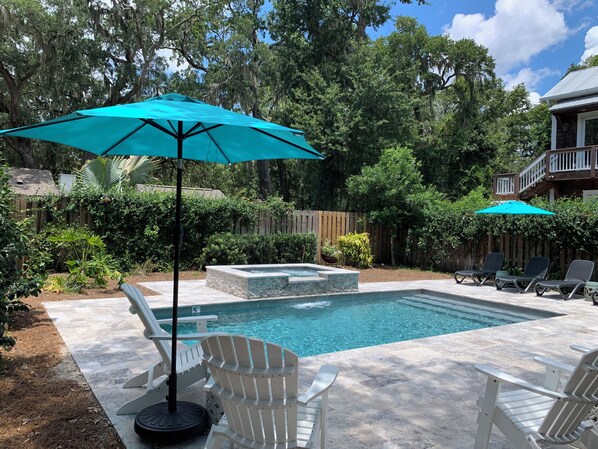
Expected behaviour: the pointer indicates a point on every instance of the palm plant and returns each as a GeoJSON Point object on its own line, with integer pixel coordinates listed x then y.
{"type": "Point", "coordinates": [116, 172]}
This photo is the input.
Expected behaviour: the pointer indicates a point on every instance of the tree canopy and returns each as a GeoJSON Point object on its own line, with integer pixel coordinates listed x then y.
{"type": "Point", "coordinates": [307, 64]}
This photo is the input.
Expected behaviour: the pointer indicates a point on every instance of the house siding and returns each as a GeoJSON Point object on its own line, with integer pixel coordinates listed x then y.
{"type": "Point", "coordinates": [566, 130]}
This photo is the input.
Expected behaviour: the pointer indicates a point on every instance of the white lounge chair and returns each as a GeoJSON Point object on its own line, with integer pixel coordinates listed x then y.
{"type": "Point", "coordinates": [531, 415]}
{"type": "Point", "coordinates": [189, 366]}
{"type": "Point", "coordinates": [256, 383]}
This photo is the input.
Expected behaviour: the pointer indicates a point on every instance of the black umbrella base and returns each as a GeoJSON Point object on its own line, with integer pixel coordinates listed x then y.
{"type": "Point", "coordinates": [156, 423]}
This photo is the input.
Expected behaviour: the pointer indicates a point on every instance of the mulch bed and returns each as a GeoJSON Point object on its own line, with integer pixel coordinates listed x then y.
{"type": "Point", "coordinates": [45, 402]}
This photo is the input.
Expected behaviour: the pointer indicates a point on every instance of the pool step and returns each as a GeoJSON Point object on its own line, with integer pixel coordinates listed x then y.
{"type": "Point", "coordinates": [439, 305]}
{"type": "Point", "coordinates": [483, 308]}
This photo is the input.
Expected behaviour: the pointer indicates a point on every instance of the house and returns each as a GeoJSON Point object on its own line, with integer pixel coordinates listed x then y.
{"type": "Point", "coordinates": [569, 167]}
{"type": "Point", "coordinates": [30, 181]}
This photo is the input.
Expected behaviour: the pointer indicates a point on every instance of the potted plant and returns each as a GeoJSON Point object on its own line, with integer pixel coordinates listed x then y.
{"type": "Point", "coordinates": [330, 253]}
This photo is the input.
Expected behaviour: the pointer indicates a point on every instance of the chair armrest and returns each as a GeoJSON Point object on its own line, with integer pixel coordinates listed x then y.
{"type": "Point", "coordinates": [321, 383]}
{"type": "Point", "coordinates": [190, 319]}
{"type": "Point", "coordinates": [196, 336]}
{"type": "Point", "coordinates": [580, 348]}
{"type": "Point", "coordinates": [560, 366]}
{"type": "Point", "coordinates": [512, 380]}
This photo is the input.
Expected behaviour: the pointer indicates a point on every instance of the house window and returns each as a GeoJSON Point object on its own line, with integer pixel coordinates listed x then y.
{"type": "Point", "coordinates": [587, 129]}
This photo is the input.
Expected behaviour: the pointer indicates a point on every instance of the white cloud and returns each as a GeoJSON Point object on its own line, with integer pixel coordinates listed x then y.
{"type": "Point", "coordinates": [528, 76]}
{"type": "Point", "coordinates": [534, 98]}
{"type": "Point", "coordinates": [591, 42]}
{"type": "Point", "coordinates": [171, 61]}
{"type": "Point", "coordinates": [516, 32]}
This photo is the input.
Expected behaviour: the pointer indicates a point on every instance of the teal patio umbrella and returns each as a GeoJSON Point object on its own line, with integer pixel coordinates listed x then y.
{"type": "Point", "coordinates": [178, 127]}
{"type": "Point", "coordinates": [514, 208]}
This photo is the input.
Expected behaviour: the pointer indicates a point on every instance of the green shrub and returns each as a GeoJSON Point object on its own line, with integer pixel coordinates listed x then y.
{"type": "Point", "coordinates": [85, 258]}
{"type": "Point", "coordinates": [330, 250]}
{"type": "Point", "coordinates": [137, 227]}
{"type": "Point", "coordinates": [355, 250]}
{"type": "Point", "coordinates": [17, 280]}
{"type": "Point", "coordinates": [241, 249]}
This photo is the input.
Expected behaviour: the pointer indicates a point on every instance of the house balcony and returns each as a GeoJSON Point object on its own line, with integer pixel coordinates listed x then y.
{"type": "Point", "coordinates": [552, 167]}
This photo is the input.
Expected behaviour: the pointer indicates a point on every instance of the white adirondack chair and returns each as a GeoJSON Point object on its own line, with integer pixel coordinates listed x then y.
{"type": "Point", "coordinates": [189, 362]}
{"type": "Point", "coordinates": [532, 416]}
{"type": "Point", "coordinates": [256, 383]}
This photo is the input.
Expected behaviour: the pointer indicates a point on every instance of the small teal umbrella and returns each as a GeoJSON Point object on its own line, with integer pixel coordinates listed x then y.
{"type": "Point", "coordinates": [514, 208]}
{"type": "Point", "coordinates": [177, 127]}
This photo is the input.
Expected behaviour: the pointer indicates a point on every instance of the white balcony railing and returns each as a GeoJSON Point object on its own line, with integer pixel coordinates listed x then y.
{"type": "Point", "coordinates": [505, 185]}
{"type": "Point", "coordinates": [534, 173]}
{"type": "Point", "coordinates": [572, 160]}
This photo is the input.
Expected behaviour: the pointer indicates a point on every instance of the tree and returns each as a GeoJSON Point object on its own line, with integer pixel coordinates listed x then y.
{"type": "Point", "coordinates": [391, 191]}
{"type": "Point", "coordinates": [57, 57]}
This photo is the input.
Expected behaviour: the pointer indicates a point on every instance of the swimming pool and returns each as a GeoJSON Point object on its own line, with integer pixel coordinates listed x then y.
{"type": "Point", "coordinates": [333, 323]}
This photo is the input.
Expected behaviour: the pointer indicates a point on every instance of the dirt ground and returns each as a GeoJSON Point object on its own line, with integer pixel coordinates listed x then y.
{"type": "Point", "coordinates": [45, 402]}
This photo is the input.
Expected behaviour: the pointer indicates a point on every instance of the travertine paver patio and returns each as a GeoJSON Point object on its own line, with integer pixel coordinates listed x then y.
{"type": "Point", "coordinates": [415, 394]}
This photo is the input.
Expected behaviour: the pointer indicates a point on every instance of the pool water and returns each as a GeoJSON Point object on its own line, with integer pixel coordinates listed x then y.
{"type": "Point", "coordinates": [293, 272]}
{"type": "Point", "coordinates": [337, 323]}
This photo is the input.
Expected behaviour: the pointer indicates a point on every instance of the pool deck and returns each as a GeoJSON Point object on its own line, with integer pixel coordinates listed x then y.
{"type": "Point", "coordinates": [413, 395]}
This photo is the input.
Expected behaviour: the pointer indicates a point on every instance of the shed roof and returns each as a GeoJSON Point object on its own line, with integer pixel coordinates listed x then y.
{"type": "Point", "coordinates": [576, 84]}
{"type": "Point", "coordinates": [30, 181]}
{"type": "Point", "coordinates": [208, 193]}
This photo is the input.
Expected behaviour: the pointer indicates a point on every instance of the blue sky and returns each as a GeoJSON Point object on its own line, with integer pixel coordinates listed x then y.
{"type": "Point", "coordinates": [532, 41]}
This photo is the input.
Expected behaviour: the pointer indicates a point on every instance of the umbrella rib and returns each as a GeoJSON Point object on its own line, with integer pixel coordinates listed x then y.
{"type": "Point", "coordinates": [287, 142]}
{"type": "Point", "coordinates": [48, 123]}
{"type": "Point", "coordinates": [172, 127]}
{"type": "Point", "coordinates": [204, 130]}
{"type": "Point", "coordinates": [160, 127]}
{"type": "Point", "coordinates": [207, 131]}
{"type": "Point", "coordinates": [121, 140]}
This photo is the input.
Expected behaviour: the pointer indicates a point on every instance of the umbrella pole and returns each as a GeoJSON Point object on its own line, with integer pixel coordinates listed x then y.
{"type": "Point", "coordinates": [172, 421]}
{"type": "Point", "coordinates": [178, 238]}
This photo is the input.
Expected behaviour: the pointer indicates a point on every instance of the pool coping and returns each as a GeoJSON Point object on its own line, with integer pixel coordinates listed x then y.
{"type": "Point", "coordinates": [107, 344]}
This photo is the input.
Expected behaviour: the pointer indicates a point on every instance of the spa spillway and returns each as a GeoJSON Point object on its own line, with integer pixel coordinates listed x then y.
{"type": "Point", "coordinates": [268, 281]}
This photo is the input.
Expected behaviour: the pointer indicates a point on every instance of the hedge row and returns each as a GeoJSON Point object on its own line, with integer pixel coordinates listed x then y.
{"type": "Point", "coordinates": [239, 249]}
{"type": "Point", "coordinates": [137, 227]}
{"type": "Point", "coordinates": [446, 226]}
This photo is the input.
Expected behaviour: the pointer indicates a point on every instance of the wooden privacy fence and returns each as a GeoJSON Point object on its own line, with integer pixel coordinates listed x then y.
{"type": "Point", "coordinates": [327, 225]}
{"type": "Point", "coordinates": [517, 250]}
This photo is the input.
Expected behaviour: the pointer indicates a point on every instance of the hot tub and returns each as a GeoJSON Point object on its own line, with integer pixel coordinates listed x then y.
{"type": "Point", "coordinates": [268, 281]}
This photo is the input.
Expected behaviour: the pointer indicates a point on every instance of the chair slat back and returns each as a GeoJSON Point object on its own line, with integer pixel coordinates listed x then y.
{"type": "Point", "coordinates": [565, 416]}
{"type": "Point", "coordinates": [493, 262]}
{"type": "Point", "coordinates": [257, 386]}
{"type": "Point", "coordinates": [580, 270]}
{"type": "Point", "coordinates": [537, 267]}
{"type": "Point", "coordinates": [140, 306]}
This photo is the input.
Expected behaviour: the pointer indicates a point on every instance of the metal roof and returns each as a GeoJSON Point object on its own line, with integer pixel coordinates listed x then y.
{"type": "Point", "coordinates": [575, 103]}
{"type": "Point", "coordinates": [576, 84]}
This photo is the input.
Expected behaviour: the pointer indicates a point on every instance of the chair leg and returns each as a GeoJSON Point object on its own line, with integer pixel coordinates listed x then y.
{"type": "Point", "coordinates": [215, 439]}
{"type": "Point", "coordinates": [141, 379]}
{"type": "Point", "coordinates": [457, 280]}
{"type": "Point", "coordinates": [539, 290]}
{"type": "Point", "coordinates": [150, 397]}
{"type": "Point", "coordinates": [486, 415]}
